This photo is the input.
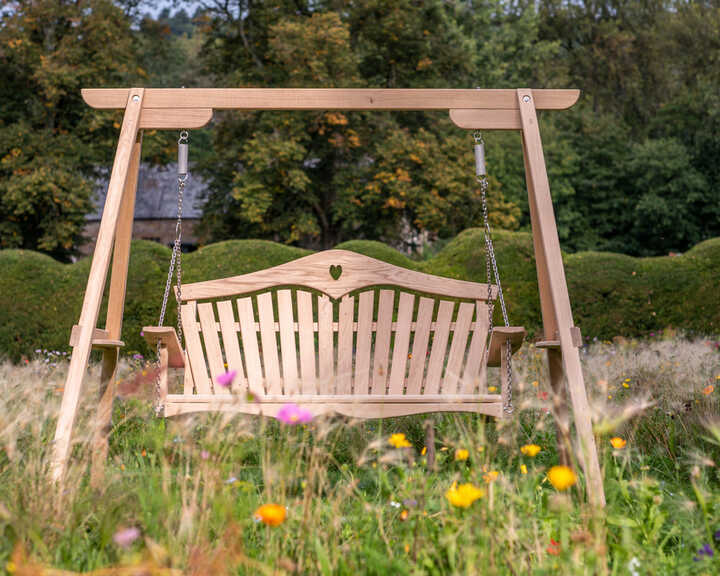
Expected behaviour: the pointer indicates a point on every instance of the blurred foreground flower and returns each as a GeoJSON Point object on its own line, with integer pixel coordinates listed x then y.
{"type": "Point", "coordinates": [125, 537]}
{"type": "Point", "coordinates": [561, 477]}
{"type": "Point", "coordinates": [271, 514]}
{"type": "Point", "coordinates": [706, 550]}
{"type": "Point", "coordinates": [531, 450]}
{"type": "Point", "coordinates": [709, 389]}
{"type": "Point", "coordinates": [618, 443]}
{"type": "Point", "coordinates": [462, 454]}
{"type": "Point", "coordinates": [554, 548]}
{"type": "Point", "coordinates": [464, 495]}
{"type": "Point", "coordinates": [293, 414]}
{"type": "Point", "coordinates": [226, 379]}
{"type": "Point", "coordinates": [399, 441]}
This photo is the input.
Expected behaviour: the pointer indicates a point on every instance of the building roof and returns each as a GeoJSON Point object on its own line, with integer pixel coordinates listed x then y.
{"type": "Point", "coordinates": [156, 197]}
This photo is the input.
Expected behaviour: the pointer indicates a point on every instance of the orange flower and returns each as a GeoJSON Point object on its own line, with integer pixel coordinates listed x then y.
{"type": "Point", "coordinates": [709, 389]}
{"type": "Point", "coordinates": [618, 443]}
{"type": "Point", "coordinates": [491, 476]}
{"type": "Point", "coordinates": [561, 477]}
{"type": "Point", "coordinates": [271, 514]}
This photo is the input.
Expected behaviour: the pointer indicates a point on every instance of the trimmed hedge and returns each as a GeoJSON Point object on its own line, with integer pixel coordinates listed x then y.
{"type": "Point", "coordinates": [612, 294]}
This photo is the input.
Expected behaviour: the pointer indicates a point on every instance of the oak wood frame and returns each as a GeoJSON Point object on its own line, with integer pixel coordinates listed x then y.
{"type": "Point", "coordinates": [192, 108]}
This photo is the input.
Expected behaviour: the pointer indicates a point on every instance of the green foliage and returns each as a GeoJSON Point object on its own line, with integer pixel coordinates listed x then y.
{"type": "Point", "coordinates": [611, 294]}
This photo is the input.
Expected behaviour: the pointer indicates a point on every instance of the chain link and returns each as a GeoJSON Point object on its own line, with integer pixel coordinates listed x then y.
{"type": "Point", "coordinates": [491, 270]}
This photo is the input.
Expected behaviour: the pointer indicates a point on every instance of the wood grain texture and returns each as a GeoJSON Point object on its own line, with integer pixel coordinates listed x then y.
{"type": "Point", "coordinates": [168, 337]}
{"type": "Point", "coordinates": [358, 272]}
{"type": "Point", "coordinates": [253, 366]}
{"type": "Point", "coordinates": [171, 119]}
{"type": "Point", "coordinates": [401, 344]}
{"type": "Point", "coordinates": [436, 363]}
{"type": "Point", "coordinates": [288, 347]}
{"type": "Point", "coordinates": [230, 344]}
{"type": "Point", "coordinates": [213, 352]}
{"type": "Point", "coordinates": [270, 360]}
{"type": "Point", "coordinates": [326, 345]}
{"type": "Point", "coordinates": [306, 334]}
{"type": "Point", "coordinates": [458, 346]}
{"type": "Point", "coordinates": [345, 351]}
{"type": "Point", "coordinates": [328, 98]}
{"type": "Point", "coordinates": [420, 345]}
{"type": "Point", "coordinates": [381, 352]}
{"type": "Point", "coordinates": [194, 348]}
{"type": "Point", "coordinates": [473, 379]}
{"type": "Point", "coordinates": [473, 119]}
{"type": "Point", "coordinates": [364, 342]}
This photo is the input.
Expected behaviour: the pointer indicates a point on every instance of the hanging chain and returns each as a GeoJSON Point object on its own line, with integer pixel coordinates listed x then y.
{"type": "Point", "coordinates": [176, 258]}
{"type": "Point", "coordinates": [491, 267]}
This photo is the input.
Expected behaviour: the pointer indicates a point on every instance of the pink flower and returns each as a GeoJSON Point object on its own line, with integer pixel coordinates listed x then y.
{"type": "Point", "coordinates": [226, 379]}
{"type": "Point", "coordinates": [125, 537]}
{"type": "Point", "coordinates": [204, 454]}
{"type": "Point", "coordinates": [292, 414]}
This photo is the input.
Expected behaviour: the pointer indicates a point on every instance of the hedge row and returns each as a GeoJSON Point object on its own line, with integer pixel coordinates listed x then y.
{"type": "Point", "coordinates": [612, 294]}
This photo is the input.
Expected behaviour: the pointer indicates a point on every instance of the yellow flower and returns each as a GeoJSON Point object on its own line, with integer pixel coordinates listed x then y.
{"type": "Point", "coordinates": [530, 450]}
{"type": "Point", "coordinates": [464, 495]}
{"type": "Point", "coordinates": [561, 477]}
{"type": "Point", "coordinates": [271, 514]}
{"type": "Point", "coordinates": [461, 454]}
{"type": "Point", "coordinates": [491, 476]}
{"type": "Point", "coordinates": [535, 383]}
{"type": "Point", "coordinates": [523, 469]}
{"type": "Point", "coordinates": [492, 389]}
{"type": "Point", "coordinates": [626, 385]}
{"type": "Point", "coordinates": [423, 451]}
{"type": "Point", "coordinates": [399, 441]}
{"type": "Point", "coordinates": [618, 443]}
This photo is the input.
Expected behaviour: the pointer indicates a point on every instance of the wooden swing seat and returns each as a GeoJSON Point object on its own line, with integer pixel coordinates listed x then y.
{"type": "Point", "coordinates": [339, 332]}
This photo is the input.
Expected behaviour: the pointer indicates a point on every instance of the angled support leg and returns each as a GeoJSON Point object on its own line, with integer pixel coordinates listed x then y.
{"type": "Point", "coordinates": [551, 275]}
{"type": "Point", "coordinates": [95, 285]}
{"type": "Point", "coordinates": [116, 301]}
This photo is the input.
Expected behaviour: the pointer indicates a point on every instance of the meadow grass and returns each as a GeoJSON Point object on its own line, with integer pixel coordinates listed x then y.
{"type": "Point", "coordinates": [355, 504]}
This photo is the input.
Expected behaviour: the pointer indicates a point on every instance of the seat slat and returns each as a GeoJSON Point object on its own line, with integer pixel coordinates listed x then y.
{"type": "Point", "coordinates": [194, 348]}
{"type": "Point", "coordinates": [401, 344]}
{"type": "Point", "coordinates": [364, 342]}
{"type": "Point", "coordinates": [306, 335]}
{"type": "Point", "coordinates": [212, 345]}
{"type": "Point", "coordinates": [458, 347]}
{"type": "Point", "coordinates": [381, 355]}
{"type": "Point", "coordinates": [474, 375]}
{"type": "Point", "coordinates": [246, 317]}
{"type": "Point", "coordinates": [287, 342]}
{"type": "Point", "coordinates": [420, 344]}
{"type": "Point", "coordinates": [345, 345]}
{"type": "Point", "coordinates": [325, 344]}
{"type": "Point", "coordinates": [439, 346]}
{"type": "Point", "coordinates": [271, 363]}
{"type": "Point", "coordinates": [230, 343]}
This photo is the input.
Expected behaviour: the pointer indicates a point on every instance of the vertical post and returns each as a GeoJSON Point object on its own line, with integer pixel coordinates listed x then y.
{"type": "Point", "coordinates": [113, 324]}
{"type": "Point", "coordinates": [554, 275]}
{"type": "Point", "coordinates": [555, 369]}
{"type": "Point", "coordinates": [95, 285]}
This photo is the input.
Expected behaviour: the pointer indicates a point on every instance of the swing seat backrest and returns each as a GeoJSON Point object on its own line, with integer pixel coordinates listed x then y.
{"type": "Point", "coordinates": [338, 331]}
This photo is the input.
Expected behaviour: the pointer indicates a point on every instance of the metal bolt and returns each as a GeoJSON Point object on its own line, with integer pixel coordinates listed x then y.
{"type": "Point", "coordinates": [136, 98]}
{"type": "Point", "coordinates": [526, 99]}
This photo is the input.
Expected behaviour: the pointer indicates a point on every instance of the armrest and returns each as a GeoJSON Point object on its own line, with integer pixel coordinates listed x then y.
{"type": "Point", "coordinates": [167, 336]}
{"type": "Point", "coordinates": [500, 335]}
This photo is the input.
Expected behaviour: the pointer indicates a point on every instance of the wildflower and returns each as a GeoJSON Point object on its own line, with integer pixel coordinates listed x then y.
{"type": "Point", "coordinates": [137, 356]}
{"type": "Point", "coordinates": [394, 504]}
{"type": "Point", "coordinates": [11, 567]}
{"type": "Point", "coordinates": [464, 495]}
{"type": "Point", "coordinates": [709, 389]}
{"type": "Point", "coordinates": [204, 454]}
{"type": "Point", "coordinates": [293, 414]}
{"type": "Point", "coordinates": [554, 548]}
{"type": "Point", "coordinates": [231, 480]}
{"type": "Point", "coordinates": [404, 515]}
{"type": "Point", "coordinates": [491, 476]}
{"type": "Point", "coordinates": [717, 535]}
{"type": "Point", "coordinates": [618, 443]}
{"type": "Point", "coordinates": [626, 385]}
{"type": "Point", "coordinates": [143, 453]}
{"type": "Point", "coordinates": [523, 469]}
{"type": "Point", "coordinates": [410, 502]}
{"type": "Point", "coordinates": [271, 514]}
{"type": "Point", "coordinates": [561, 477]}
{"type": "Point", "coordinates": [535, 383]}
{"type": "Point", "coordinates": [543, 395]}
{"type": "Point", "coordinates": [226, 379]}
{"type": "Point", "coordinates": [492, 389]}
{"type": "Point", "coordinates": [461, 454]}
{"type": "Point", "coordinates": [706, 550]}
{"type": "Point", "coordinates": [125, 537]}
{"type": "Point", "coordinates": [530, 450]}
{"type": "Point", "coordinates": [399, 441]}
{"type": "Point", "coordinates": [423, 451]}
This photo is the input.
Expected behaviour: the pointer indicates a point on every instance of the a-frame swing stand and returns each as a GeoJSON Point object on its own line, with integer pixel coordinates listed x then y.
{"type": "Point", "coordinates": [192, 108]}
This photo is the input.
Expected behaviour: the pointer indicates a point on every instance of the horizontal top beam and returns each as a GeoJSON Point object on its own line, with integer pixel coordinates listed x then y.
{"type": "Point", "coordinates": [328, 98]}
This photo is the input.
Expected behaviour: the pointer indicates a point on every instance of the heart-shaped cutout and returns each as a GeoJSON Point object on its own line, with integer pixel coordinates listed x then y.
{"type": "Point", "coordinates": [335, 271]}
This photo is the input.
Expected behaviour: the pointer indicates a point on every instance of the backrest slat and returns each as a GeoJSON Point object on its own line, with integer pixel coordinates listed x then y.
{"type": "Point", "coordinates": [287, 341]}
{"type": "Point", "coordinates": [306, 335]}
{"type": "Point", "coordinates": [188, 383]}
{"type": "Point", "coordinates": [473, 379]}
{"type": "Point", "coordinates": [246, 317]}
{"type": "Point", "coordinates": [420, 345]}
{"type": "Point", "coordinates": [212, 345]}
{"type": "Point", "coordinates": [401, 344]}
{"type": "Point", "coordinates": [364, 342]}
{"type": "Point", "coordinates": [382, 341]}
{"type": "Point", "coordinates": [458, 347]}
{"type": "Point", "coordinates": [325, 345]}
{"type": "Point", "coordinates": [230, 343]}
{"type": "Point", "coordinates": [194, 348]}
{"type": "Point", "coordinates": [271, 364]}
{"type": "Point", "coordinates": [345, 345]}
{"type": "Point", "coordinates": [439, 345]}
